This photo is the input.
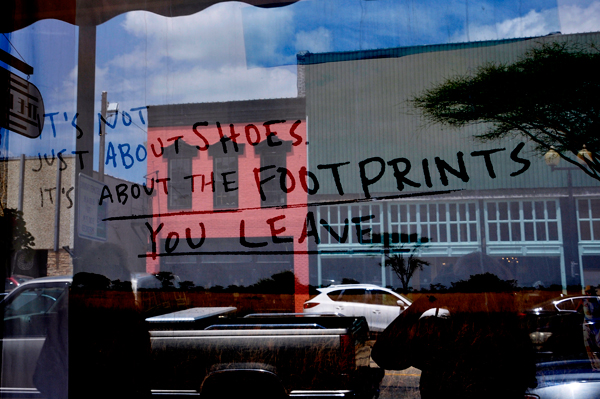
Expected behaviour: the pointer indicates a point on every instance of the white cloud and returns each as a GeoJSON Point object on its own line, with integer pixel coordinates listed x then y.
{"type": "Point", "coordinates": [579, 18]}
{"type": "Point", "coordinates": [574, 17]}
{"type": "Point", "coordinates": [213, 37]}
{"type": "Point", "coordinates": [315, 41]}
{"type": "Point", "coordinates": [534, 23]}
{"type": "Point", "coordinates": [199, 58]}
{"type": "Point", "coordinates": [229, 83]}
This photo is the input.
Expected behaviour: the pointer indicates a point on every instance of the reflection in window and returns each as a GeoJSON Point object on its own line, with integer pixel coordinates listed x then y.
{"type": "Point", "coordinates": [589, 219]}
{"type": "Point", "coordinates": [180, 191]}
{"type": "Point", "coordinates": [225, 171]}
{"type": "Point", "coordinates": [518, 221]}
{"type": "Point", "coordinates": [272, 163]}
{"type": "Point", "coordinates": [357, 295]}
{"type": "Point", "coordinates": [438, 222]}
{"type": "Point", "coordinates": [341, 221]}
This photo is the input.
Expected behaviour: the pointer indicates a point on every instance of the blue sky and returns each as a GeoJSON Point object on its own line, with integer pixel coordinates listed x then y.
{"type": "Point", "coordinates": [347, 25]}
{"type": "Point", "coordinates": [232, 51]}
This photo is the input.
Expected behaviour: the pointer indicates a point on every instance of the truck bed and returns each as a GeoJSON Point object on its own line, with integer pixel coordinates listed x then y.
{"type": "Point", "coordinates": [307, 354]}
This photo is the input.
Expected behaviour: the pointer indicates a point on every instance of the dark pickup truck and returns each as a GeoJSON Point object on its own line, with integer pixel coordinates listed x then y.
{"type": "Point", "coordinates": [202, 352]}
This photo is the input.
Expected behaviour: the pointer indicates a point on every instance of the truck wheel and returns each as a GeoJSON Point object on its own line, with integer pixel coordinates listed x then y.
{"type": "Point", "coordinates": [259, 384]}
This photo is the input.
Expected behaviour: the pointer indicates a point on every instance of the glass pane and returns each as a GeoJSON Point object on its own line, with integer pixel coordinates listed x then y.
{"type": "Point", "coordinates": [585, 231]}
{"type": "Point", "coordinates": [433, 213]}
{"type": "Point", "coordinates": [595, 208]}
{"type": "Point", "coordinates": [596, 230]}
{"type": "Point", "coordinates": [423, 213]}
{"type": "Point", "coordinates": [394, 214]}
{"type": "Point", "coordinates": [553, 231]}
{"type": "Point", "coordinates": [472, 212]}
{"type": "Point", "coordinates": [443, 234]}
{"type": "Point", "coordinates": [442, 212]}
{"type": "Point", "coordinates": [412, 209]}
{"type": "Point", "coordinates": [333, 216]}
{"type": "Point", "coordinates": [463, 233]}
{"type": "Point", "coordinates": [493, 231]}
{"type": "Point", "coordinates": [528, 210]}
{"type": "Point", "coordinates": [472, 232]}
{"type": "Point", "coordinates": [584, 210]}
{"type": "Point", "coordinates": [462, 211]}
{"type": "Point", "coordinates": [529, 233]}
{"type": "Point", "coordinates": [491, 209]}
{"type": "Point", "coordinates": [514, 211]}
{"type": "Point", "coordinates": [424, 231]}
{"type": "Point", "coordinates": [453, 210]}
{"type": "Point", "coordinates": [503, 210]}
{"type": "Point", "coordinates": [403, 214]}
{"type": "Point", "coordinates": [453, 233]}
{"type": "Point", "coordinates": [515, 230]}
{"type": "Point", "coordinates": [539, 210]}
{"type": "Point", "coordinates": [540, 231]}
{"type": "Point", "coordinates": [187, 154]}
{"type": "Point", "coordinates": [433, 235]}
{"type": "Point", "coordinates": [504, 232]}
{"type": "Point", "coordinates": [551, 209]}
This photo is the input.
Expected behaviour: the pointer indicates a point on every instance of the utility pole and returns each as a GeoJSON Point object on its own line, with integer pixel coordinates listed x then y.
{"type": "Point", "coordinates": [102, 136]}
{"type": "Point", "coordinates": [106, 110]}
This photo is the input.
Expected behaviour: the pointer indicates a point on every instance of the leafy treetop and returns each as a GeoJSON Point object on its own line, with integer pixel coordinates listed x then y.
{"type": "Point", "coordinates": [551, 96]}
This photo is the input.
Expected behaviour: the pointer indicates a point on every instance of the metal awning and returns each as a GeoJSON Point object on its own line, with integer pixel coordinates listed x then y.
{"type": "Point", "coordinates": [18, 14]}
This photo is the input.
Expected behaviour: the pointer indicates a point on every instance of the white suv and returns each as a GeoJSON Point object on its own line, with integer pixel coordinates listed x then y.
{"type": "Point", "coordinates": [380, 306]}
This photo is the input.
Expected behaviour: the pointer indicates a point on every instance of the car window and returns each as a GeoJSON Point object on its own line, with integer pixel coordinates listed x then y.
{"type": "Point", "coordinates": [32, 301]}
{"type": "Point", "coordinates": [334, 295]}
{"type": "Point", "coordinates": [31, 312]}
{"type": "Point", "coordinates": [354, 295]}
{"type": "Point", "coordinates": [565, 305]}
{"type": "Point", "coordinates": [379, 297]}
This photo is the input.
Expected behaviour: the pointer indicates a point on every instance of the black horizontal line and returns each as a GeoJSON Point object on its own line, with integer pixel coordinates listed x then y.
{"type": "Point", "coordinates": [307, 205]}
{"type": "Point", "coordinates": [312, 252]}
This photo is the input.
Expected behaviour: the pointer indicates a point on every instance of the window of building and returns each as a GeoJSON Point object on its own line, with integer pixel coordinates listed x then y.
{"type": "Point", "coordinates": [271, 159]}
{"type": "Point", "coordinates": [339, 224]}
{"type": "Point", "coordinates": [180, 190]}
{"type": "Point", "coordinates": [435, 223]}
{"type": "Point", "coordinates": [225, 170]}
{"type": "Point", "coordinates": [274, 195]}
{"type": "Point", "coordinates": [179, 156]}
{"type": "Point", "coordinates": [225, 154]}
{"type": "Point", "coordinates": [588, 212]}
{"type": "Point", "coordinates": [518, 221]}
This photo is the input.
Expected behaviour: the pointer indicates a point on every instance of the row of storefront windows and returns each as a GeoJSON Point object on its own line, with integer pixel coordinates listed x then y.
{"type": "Point", "coordinates": [512, 221]}
{"type": "Point", "coordinates": [525, 235]}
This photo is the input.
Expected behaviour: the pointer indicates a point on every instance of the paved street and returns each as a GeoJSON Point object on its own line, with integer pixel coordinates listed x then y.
{"type": "Point", "coordinates": [400, 384]}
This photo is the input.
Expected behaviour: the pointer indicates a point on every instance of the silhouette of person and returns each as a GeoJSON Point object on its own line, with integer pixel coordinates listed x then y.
{"type": "Point", "coordinates": [591, 327]}
{"type": "Point", "coordinates": [100, 349]}
{"type": "Point", "coordinates": [468, 343]}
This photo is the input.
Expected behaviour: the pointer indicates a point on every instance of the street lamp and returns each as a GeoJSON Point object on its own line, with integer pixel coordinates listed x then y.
{"type": "Point", "coordinates": [552, 158]}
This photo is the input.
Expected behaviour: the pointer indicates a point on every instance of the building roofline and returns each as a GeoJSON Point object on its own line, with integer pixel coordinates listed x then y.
{"type": "Point", "coordinates": [246, 111]}
{"type": "Point", "coordinates": [307, 58]}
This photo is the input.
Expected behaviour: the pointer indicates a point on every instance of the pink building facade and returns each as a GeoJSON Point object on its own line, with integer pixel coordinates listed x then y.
{"type": "Point", "coordinates": [230, 192]}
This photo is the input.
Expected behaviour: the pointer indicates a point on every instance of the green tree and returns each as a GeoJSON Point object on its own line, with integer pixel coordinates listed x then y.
{"type": "Point", "coordinates": [13, 237]}
{"type": "Point", "coordinates": [551, 96]}
{"type": "Point", "coordinates": [402, 257]}
{"type": "Point", "coordinates": [405, 267]}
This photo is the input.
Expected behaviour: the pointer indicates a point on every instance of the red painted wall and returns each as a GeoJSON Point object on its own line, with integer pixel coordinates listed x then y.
{"type": "Point", "coordinates": [227, 224]}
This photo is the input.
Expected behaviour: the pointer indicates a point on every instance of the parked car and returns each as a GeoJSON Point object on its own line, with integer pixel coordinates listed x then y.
{"type": "Point", "coordinates": [380, 306]}
{"type": "Point", "coordinates": [203, 352]}
{"type": "Point", "coordinates": [556, 326]}
{"type": "Point", "coordinates": [566, 379]}
{"type": "Point", "coordinates": [14, 281]}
